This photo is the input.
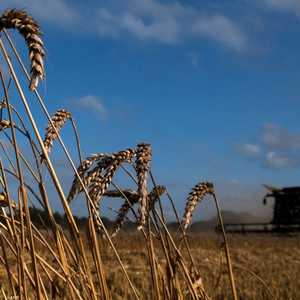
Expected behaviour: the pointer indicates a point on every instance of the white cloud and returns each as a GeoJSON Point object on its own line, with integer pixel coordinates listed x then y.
{"type": "Point", "coordinates": [93, 104]}
{"type": "Point", "coordinates": [221, 29]}
{"type": "Point", "coordinates": [277, 148]}
{"type": "Point", "coordinates": [279, 161]}
{"type": "Point", "coordinates": [275, 137]}
{"type": "Point", "coordinates": [167, 23]}
{"type": "Point", "coordinates": [151, 20]}
{"type": "Point", "coordinates": [113, 25]}
{"type": "Point", "coordinates": [249, 150]}
{"type": "Point", "coordinates": [56, 11]}
{"type": "Point", "coordinates": [289, 6]}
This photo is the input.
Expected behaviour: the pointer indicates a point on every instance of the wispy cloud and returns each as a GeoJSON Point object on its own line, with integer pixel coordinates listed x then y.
{"type": "Point", "coordinates": [55, 11]}
{"type": "Point", "coordinates": [279, 161]}
{"type": "Point", "coordinates": [250, 150]}
{"type": "Point", "coordinates": [167, 23]}
{"type": "Point", "coordinates": [144, 20]}
{"type": "Point", "coordinates": [221, 29]}
{"type": "Point", "coordinates": [162, 29]}
{"type": "Point", "coordinates": [92, 104]}
{"type": "Point", "coordinates": [289, 6]}
{"type": "Point", "coordinates": [276, 147]}
{"type": "Point", "coordinates": [277, 138]}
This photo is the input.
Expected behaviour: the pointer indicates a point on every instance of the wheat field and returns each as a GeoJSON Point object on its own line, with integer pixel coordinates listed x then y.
{"type": "Point", "coordinates": [51, 261]}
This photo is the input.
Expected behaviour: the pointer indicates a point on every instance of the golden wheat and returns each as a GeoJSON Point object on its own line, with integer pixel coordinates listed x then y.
{"type": "Point", "coordinates": [195, 196]}
{"type": "Point", "coordinates": [69, 262]}
{"type": "Point", "coordinates": [58, 119]}
{"type": "Point", "coordinates": [143, 158]}
{"type": "Point", "coordinates": [76, 187]}
{"type": "Point", "coordinates": [132, 197]}
{"type": "Point", "coordinates": [155, 194]}
{"type": "Point", "coordinates": [30, 30]}
{"type": "Point", "coordinates": [101, 184]}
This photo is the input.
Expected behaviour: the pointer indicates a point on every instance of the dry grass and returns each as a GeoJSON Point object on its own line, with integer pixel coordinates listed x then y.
{"type": "Point", "coordinates": [275, 259]}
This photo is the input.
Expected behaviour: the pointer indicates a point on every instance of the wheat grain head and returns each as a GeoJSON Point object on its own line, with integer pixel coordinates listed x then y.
{"type": "Point", "coordinates": [100, 186]}
{"type": "Point", "coordinates": [58, 119]}
{"type": "Point", "coordinates": [195, 196]}
{"type": "Point", "coordinates": [143, 158]}
{"type": "Point", "coordinates": [30, 30]}
{"type": "Point", "coordinates": [102, 161]}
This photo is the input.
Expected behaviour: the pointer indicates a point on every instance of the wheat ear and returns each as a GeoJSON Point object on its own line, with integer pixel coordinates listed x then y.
{"type": "Point", "coordinates": [155, 194]}
{"type": "Point", "coordinates": [58, 119]}
{"type": "Point", "coordinates": [4, 124]}
{"type": "Point", "coordinates": [85, 165]}
{"type": "Point", "coordinates": [132, 197]}
{"type": "Point", "coordinates": [128, 193]}
{"type": "Point", "coordinates": [30, 30]}
{"type": "Point", "coordinates": [143, 158]}
{"type": "Point", "coordinates": [4, 201]}
{"type": "Point", "coordinates": [101, 184]}
{"type": "Point", "coordinates": [195, 196]}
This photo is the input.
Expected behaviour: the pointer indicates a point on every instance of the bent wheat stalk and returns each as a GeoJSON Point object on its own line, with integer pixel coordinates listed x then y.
{"type": "Point", "coordinates": [155, 194]}
{"type": "Point", "coordinates": [131, 198]}
{"type": "Point", "coordinates": [58, 119]}
{"type": "Point", "coordinates": [195, 196]}
{"type": "Point", "coordinates": [101, 183]}
{"type": "Point", "coordinates": [30, 30]}
{"type": "Point", "coordinates": [76, 187]}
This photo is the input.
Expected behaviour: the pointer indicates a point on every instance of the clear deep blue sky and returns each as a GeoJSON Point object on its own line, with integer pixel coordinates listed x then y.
{"type": "Point", "coordinates": [214, 86]}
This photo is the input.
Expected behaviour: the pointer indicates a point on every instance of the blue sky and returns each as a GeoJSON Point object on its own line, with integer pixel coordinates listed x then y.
{"type": "Point", "coordinates": [213, 85]}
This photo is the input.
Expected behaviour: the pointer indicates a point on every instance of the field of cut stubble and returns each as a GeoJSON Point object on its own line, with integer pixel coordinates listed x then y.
{"type": "Point", "coordinates": [265, 266]}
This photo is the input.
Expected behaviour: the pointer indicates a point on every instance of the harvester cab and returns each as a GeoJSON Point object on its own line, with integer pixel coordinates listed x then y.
{"type": "Point", "coordinates": [286, 213]}
{"type": "Point", "coordinates": [286, 205]}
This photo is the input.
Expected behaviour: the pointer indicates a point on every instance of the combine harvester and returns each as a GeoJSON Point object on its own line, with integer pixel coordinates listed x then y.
{"type": "Point", "coordinates": [286, 215]}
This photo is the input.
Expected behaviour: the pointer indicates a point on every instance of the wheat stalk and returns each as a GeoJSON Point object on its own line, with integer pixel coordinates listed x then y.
{"type": "Point", "coordinates": [155, 194]}
{"type": "Point", "coordinates": [97, 182]}
{"type": "Point", "coordinates": [195, 196]}
{"type": "Point", "coordinates": [143, 158]}
{"type": "Point", "coordinates": [131, 198]}
{"type": "Point", "coordinates": [82, 169]}
{"type": "Point", "coordinates": [30, 30]}
{"type": "Point", "coordinates": [129, 194]}
{"type": "Point", "coordinates": [58, 119]}
{"type": "Point", "coordinates": [101, 185]}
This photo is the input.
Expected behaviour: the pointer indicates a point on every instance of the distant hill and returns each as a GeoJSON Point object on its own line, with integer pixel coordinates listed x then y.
{"type": "Point", "coordinates": [228, 217]}
{"type": "Point", "coordinates": [40, 219]}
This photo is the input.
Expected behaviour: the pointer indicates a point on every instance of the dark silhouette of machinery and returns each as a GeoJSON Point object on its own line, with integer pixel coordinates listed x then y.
{"type": "Point", "coordinates": [286, 212]}
{"type": "Point", "coordinates": [287, 205]}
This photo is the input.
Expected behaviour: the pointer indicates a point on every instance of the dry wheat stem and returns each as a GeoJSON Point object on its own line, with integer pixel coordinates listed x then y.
{"type": "Point", "coordinates": [132, 197]}
{"type": "Point", "coordinates": [102, 160]}
{"type": "Point", "coordinates": [122, 213]}
{"type": "Point", "coordinates": [155, 194]}
{"type": "Point", "coordinates": [101, 183]}
{"type": "Point", "coordinates": [94, 176]}
{"type": "Point", "coordinates": [76, 187]}
{"type": "Point", "coordinates": [51, 169]}
{"type": "Point", "coordinates": [60, 117]}
{"type": "Point", "coordinates": [195, 196]}
{"type": "Point", "coordinates": [30, 30]}
{"type": "Point", "coordinates": [143, 158]}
